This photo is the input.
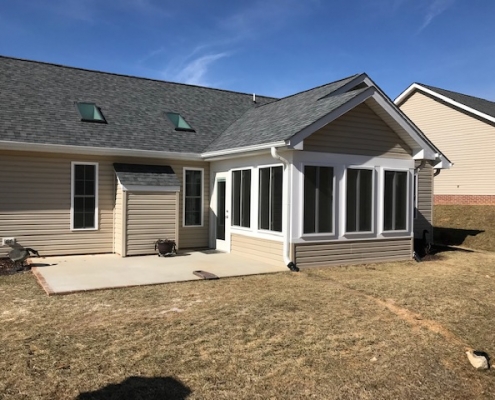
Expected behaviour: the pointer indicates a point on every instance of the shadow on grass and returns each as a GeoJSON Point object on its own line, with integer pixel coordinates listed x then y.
{"type": "Point", "coordinates": [138, 387]}
{"type": "Point", "coordinates": [453, 236]}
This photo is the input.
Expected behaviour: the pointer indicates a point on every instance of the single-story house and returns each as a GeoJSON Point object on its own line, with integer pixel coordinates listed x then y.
{"type": "Point", "coordinates": [464, 127]}
{"type": "Point", "coordinates": [94, 162]}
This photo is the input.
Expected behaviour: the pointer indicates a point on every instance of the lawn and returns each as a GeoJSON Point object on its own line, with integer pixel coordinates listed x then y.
{"type": "Point", "coordinates": [381, 331]}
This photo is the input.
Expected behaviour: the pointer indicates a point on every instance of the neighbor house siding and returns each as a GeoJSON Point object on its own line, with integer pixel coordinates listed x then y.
{"type": "Point", "coordinates": [35, 204]}
{"type": "Point", "coordinates": [465, 139]}
{"type": "Point", "coordinates": [360, 132]}
{"type": "Point", "coordinates": [118, 216]}
{"type": "Point", "coordinates": [149, 217]}
{"type": "Point", "coordinates": [352, 252]}
{"type": "Point", "coordinates": [424, 214]}
{"type": "Point", "coordinates": [262, 250]}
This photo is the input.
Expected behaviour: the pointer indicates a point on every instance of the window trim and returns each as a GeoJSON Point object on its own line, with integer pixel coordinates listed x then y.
{"type": "Point", "coordinates": [372, 232]}
{"type": "Point", "coordinates": [249, 228]}
{"type": "Point", "coordinates": [416, 195]}
{"type": "Point", "coordinates": [270, 167]}
{"type": "Point", "coordinates": [408, 210]}
{"type": "Point", "coordinates": [96, 121]}
{"type": "Point", "coordinates": [335, 199]}
{"type": "Point", "coordinates": [72, 192]}
{"type": "Point", "coordinates": [184, 196]}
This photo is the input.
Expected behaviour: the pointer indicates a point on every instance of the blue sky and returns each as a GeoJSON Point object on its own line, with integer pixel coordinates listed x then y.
{"type": "Point", "coordinates": [269, 47]}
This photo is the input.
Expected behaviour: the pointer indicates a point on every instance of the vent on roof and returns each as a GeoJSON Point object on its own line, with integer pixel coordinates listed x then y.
{"type": "Point", "coordinates": [90, 113]}
{"type": "Point", "coordinates": [179, 123]}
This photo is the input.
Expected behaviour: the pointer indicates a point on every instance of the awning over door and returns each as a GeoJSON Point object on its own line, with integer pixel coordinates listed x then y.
{"type": "Point", "coordinates": [140, 177]}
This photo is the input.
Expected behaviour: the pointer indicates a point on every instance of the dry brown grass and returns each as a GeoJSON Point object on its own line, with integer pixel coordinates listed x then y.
{"type": "Point", "coordinates": [384, 331]}
{"type": "Point", "coordinates": [466, 226]}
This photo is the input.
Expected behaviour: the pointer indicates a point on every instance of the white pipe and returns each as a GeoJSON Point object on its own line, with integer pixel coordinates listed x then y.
{"type": "Point", "coordinates": [290, 264]}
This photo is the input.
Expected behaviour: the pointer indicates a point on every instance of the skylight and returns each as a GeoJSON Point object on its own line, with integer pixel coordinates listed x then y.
{"type": "Point", "coordinates": [179, 122]}
{"type": "Point", "coordinates": [90, 113]}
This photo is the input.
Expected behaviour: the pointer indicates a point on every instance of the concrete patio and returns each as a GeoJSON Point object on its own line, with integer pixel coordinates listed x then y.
{"type": "Point", "coordinates": [70, 274]}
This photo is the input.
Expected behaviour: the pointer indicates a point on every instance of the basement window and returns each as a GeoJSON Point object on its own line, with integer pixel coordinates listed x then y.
{"type": "Point", "coordinates": [90, 113]}
{"type": "Point", "coordinates": [179, 122]}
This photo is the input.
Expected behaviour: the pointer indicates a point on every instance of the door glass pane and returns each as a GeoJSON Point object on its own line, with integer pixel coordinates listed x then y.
{"type": "Point", "coordinates": [221, 210]}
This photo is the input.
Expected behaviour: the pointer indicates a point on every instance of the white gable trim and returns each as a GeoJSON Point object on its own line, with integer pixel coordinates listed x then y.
{"type": "Point", "coordinates": [400, 99]}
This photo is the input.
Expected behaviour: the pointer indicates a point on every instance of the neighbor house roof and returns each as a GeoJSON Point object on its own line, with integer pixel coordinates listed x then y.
{"type": "Point", "coordinates": [140, 176]}
{"type": "Point", "coordinates": [475, 105]}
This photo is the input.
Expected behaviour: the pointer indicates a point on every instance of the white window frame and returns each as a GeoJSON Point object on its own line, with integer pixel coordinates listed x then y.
{"type": "Point", "coordinates": [254, 181]}
{"type": "Point", "coordinates": [202, 170]}
{"type": "Point", "coordinates": [334, 200]}
{"type": "Point", "coordinates": [374, 182]}
{"type": "Point", "coordinates": [256, 185]}
{"type": "Point", "coordinates": [408, 211]}
{"type": "Point", "coordinates": [72, 192]}
{"type": "Point", "coordinates": [416, 194]}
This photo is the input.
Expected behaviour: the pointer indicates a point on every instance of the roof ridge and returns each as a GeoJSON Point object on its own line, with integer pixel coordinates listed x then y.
{"type": "Point", "coordinates": [131, 76]}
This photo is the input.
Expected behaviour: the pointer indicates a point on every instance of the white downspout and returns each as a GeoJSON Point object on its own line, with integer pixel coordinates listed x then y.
{"type": "Point", "coordinates": [290, 264]}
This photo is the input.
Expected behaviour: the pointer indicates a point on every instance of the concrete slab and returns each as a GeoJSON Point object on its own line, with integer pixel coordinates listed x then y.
{"type": "Point", "coordinates": [63, 275]}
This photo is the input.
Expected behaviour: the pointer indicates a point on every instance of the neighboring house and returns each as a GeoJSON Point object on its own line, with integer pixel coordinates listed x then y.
{"type": "Point", "coordinates": [93, 162]}
{"type": "Point", "coordinates": [464, 127]}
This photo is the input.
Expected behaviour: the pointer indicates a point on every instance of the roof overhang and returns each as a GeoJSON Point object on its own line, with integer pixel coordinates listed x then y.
{"type": "Point", "coordinates": [96, 151]}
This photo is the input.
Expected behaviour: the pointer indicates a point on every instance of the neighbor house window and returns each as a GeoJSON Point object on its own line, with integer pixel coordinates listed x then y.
{"type": "Point", "coordinates": [241, 198]}
{"type": "Point", "coordinates": [90, 112]}
{"type": "Point", "coordinates": [359, 203]}
{"type": "Point", "coordinates": [318, 199]}
{"type": "Point", "coordinates": [270, 195]}
{"type": "Point", "coordinates": [179, 122]}
{"type": "Point", "coordinates": [84, 207]}
{"type": "Point", "coordinates": [395, 201]}
{"type": "Point", "coordinates": [193, 197]}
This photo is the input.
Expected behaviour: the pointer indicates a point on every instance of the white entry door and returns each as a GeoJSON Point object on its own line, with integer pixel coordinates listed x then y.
{"type": "Point", "coordinates": [221, 207]}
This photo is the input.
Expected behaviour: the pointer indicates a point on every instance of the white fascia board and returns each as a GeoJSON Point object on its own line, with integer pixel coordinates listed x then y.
{"type": "Point", "coordinates": [454, 103]}
{"type": "Point", "coordinates": [239, 150]}
{"type": "Point", "coordinates": [294, 141]}
{"type": "Point", "coordinates": [139, 188]}
{"type": "Point", "coordinates": [96, 151]}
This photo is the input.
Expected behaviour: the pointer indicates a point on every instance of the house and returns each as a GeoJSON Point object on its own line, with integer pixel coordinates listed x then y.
{"type": "Point", "coordinates": [94, 162]}
{"type": "Point", "coordinates": [464, 127]}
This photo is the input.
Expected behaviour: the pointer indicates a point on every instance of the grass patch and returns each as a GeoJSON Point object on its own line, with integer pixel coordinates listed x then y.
{"type": "Point", "coordinates": [467, 226]}
{"type": "Point", "coordinates": [380, 331]}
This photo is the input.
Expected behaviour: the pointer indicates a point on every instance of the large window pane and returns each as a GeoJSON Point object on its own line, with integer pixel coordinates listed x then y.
{"type": "Point", "coordinates": [359, 201]}
{"type": "Point", "coordinates": [264, 203]}
{"type": "Point", "coordinates": [270, 202]}
{"type": "Point", "coordinates": [395, 201]}
{"type": "Point", "coordinates": [318, 199]}
{"type": "Point", "coordinates": [236, 198]}
{"type": "Point", "coordinates": [241, 198]}
{"type": "Point", "coordinates": [276, 198]}
{"type": "Point", "coordinates": [193, 197]}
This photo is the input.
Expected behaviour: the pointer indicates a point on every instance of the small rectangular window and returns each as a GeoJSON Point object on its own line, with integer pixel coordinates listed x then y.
{"type": "Point", "coordinates": [395, 201]}
{"type": "Point", "coordinates": [241, 198]}
{"type": "Point", "coordinates": [270, 198]}
{"type": "Point", "coordinates": [359, 203]}
{"type": "Point", "coordinates": [318, 199]}
{"type": "Point", "coordinates": [84, 196]}
{"type": "Point", "coordinates": [179, 122]}
{"type": "Point", "coordinates": [90, 112]}
{"type": "Point", "coordinates": [193, 197]}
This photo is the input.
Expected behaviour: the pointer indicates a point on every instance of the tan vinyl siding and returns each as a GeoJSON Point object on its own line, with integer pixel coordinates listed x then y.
{"type": "Point", "coordinates": [149, 217]}
{"type": "Point", "coordinates": [466, 140]}
{"type": "Point", "coordinates": [424, 215]}
{"type": "Point", "coordinates": [361, 132]}
{"type": "Point", "coordinates": [352, 252]}
{"type": "Point", "coordinates": [118, 239]}
{"type": "Point", "coordinates": [262, 250]}
{"type": "Point", "coordinates": [36, 197]}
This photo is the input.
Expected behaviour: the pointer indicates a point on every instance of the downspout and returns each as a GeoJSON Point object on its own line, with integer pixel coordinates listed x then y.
{"type": "Point", "coordinates": [437, 171]}
{"type": "Point", "coordinates": [420, 166]}
{"type": "Point", "coordinates": [290, 264]}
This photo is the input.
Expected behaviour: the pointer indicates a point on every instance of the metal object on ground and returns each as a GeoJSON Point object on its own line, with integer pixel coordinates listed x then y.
{"type": "Point", "coordinates": [205, 275]}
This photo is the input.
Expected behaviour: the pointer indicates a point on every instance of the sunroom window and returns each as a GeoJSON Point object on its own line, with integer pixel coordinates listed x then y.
{"type": "Point", "coordinates": [241, 198]}
{"type": "Point", "coordinates": [179, 122]}
{"type": "Point", "coordinates": [359, 202]}
{"type": "Point", "coordinates": [270, 195]}
{"type": "Point", "coordinates": [318, 199]}
{"type": "Point", "coordinates": [395, 201]}
{"type": "Point", "coordinates": [90, 112]}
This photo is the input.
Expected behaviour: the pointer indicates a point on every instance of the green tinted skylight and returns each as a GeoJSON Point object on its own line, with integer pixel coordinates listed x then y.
{"type": "Point", "coordinates": [179, 122]}
{"type": "Point", "coordinates": [89, 112]}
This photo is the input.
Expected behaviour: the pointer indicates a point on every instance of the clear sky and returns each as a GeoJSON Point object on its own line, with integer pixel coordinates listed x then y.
{"type": "Point", "coordinates": [270, 47]}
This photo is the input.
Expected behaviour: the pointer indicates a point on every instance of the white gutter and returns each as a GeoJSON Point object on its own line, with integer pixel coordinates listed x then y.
{"type": "Point", "coordinates": [265, 146]}
{"type": "Point", "coordinates": [96, 151]}
{"type": "Point", "coordinates": [290, 264]}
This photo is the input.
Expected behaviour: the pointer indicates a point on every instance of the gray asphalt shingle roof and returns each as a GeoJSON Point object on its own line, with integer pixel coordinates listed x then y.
{"type": "Point", "coordinates": [146, 175]}
{"type": "Point", "coordinates": [485, 106]}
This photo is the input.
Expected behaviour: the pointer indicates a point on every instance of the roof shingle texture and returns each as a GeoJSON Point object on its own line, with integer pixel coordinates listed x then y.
{"type": "Point", "coordinates": [37, 105]}
{"type": "Point", "coordinates": [485, 106]}
{"type": "Point", "coordinates": [146, 175]}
